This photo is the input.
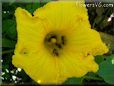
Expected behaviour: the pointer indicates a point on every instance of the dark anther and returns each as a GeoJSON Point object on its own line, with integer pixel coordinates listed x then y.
{"type": "Point", "coordinates": [63, 40]}
{"type": "Point", "coordinates": [53, 36]}
{"type": "Point", "coordinates": [55, 52]}
{"type": "Point", "coordinates": [58, 45]}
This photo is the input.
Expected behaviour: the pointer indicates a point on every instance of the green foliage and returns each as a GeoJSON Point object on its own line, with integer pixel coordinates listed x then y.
{"type": "Point", "coordinates": [8, 43]}
{"type": "Point", "coordinates": [73, 81]}
{"type": "Point", "coordinates": [106, 70]}
{"type": "Point", "coordinates": [31, 7]}
{"type": "Point", "coordinates": [9, 29]}
{"type": "Point", "coordinates": [99, 59]}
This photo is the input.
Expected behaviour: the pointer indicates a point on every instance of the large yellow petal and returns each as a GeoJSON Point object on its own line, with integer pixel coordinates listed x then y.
{"type": "Point", "coordinates": [61, 15]}
{"type": "Point", "coordinates": [85, 41]}
{"type": "Point", "coordinates": [46, 69]}
{"type": "Point", "coordinates": [75, 65]}
{"type": "Point", "coordinates": [40, 66]}
{"type": "Point", "coordinates": [30, 31]}
{"type": "Point", "coordinates": [30, 52]}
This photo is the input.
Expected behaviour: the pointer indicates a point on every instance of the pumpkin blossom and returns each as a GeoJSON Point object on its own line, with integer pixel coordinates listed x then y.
{"type": "Point", "coordinates": [56, 43]}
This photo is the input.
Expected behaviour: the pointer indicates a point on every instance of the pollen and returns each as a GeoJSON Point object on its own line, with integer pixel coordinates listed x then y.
{"type": "Point", "coordinates": [54, 43]}
{"type": "Point", "coordinates": [53, 40]}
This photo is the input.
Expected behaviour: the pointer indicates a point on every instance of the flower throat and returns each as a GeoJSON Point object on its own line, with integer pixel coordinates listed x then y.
{"type": "Point", "coordinates": [54, 42]}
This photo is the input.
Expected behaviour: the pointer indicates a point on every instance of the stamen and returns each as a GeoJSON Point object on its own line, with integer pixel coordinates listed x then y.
{"type": "Point", "coordinates": [63, 40]}
{"type": "Point", "coordinates": [53, 40]}
{"type": "Point", "coordinates": [55, 52]}
{"type": "Point", "coordinates": [54, 43]}
{"type": "Point", "coordinates": [51, 37]}
{"type": "Point", "coordinates": [58, 45]}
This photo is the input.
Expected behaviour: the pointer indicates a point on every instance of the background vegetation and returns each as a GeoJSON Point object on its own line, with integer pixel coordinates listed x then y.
{"type": "Point", "coordinates": [98, 18]}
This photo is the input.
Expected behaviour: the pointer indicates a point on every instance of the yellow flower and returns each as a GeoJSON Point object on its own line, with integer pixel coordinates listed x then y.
{"type": "Point", "coordinates": [56, 43]}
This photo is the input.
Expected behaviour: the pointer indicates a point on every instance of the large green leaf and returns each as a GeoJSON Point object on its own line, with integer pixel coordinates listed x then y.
{"type": "Point", "coordinates": [73, 81]}
{"type": "Point", "coordinates": [31, 7]}
{"type": "Point", "coordinates": [99, 58]}
{"type": "Point", "coordinates": [8, 43]}
{"type": "Point", "coordinates": [9, 29]}
{"type": "Point", "coordinates": [106, 70]}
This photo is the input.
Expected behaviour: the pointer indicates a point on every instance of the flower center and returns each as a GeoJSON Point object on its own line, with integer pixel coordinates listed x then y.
{"type": "Point", "coordinates": [54, 42]}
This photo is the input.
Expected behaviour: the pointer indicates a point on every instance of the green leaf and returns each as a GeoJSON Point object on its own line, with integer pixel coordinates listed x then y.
{"type": "Point", "coordinates": [29, 8]}
{"type": "Point", "coordinates": [8, 43]}
{"type": "Point", "coordinates": [9, 28]}
{"type": "Point", "coordinates": [35, 6]}
{"type": "Point", "coordinates": [99, 58]}
{"type": "Point", "coordinates": [106, 70]}
{"type": "Point", "coordinates": [73, 81]}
